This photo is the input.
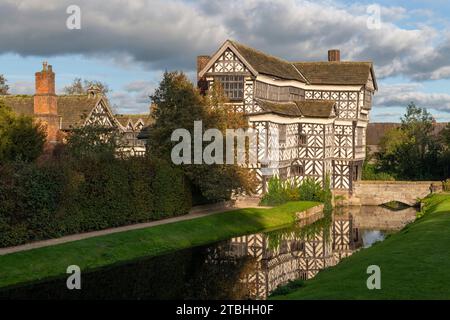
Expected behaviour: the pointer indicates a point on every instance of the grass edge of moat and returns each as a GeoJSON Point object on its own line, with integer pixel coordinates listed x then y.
{"type": "Point", "coordinates": [38, 264]}
{"type": "Point", "coordinates": [414, 264]}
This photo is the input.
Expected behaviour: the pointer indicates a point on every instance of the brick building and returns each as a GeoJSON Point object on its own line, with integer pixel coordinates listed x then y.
{"type": "Point", "coordinates": [62, 113]}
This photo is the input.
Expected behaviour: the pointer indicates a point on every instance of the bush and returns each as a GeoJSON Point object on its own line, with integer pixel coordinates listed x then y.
{"type": "Point", "coordinates": [174, 195]}
{"type": "Point", "coordinates": [280, 192]}
{"type": "Point", "coordinates": [66, 197]}
{"type": "Point", "coordinates": [370, 173]}
{"type": "Point", "coordinates": [21, 138]}
{"type": "Point", "coordinates": [310, 190]}
{"type": "Point", "coordinates": [276, 194]}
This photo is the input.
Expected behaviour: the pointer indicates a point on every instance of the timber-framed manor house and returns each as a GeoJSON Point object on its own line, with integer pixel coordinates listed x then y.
{"type": "Point", "coordinates": [310, 117]}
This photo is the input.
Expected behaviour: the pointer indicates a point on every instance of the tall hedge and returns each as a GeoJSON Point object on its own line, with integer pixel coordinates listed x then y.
{"type": "Point", "coordinates": [46, 201]}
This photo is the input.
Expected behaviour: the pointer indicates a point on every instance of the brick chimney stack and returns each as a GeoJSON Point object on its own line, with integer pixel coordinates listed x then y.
{"type": "Point", "coordinates": [202, 61]}
{"type": "Point", "coordinates": [45, 97]}
{"type": "Point", "coordinates": [45, 102]}
{"type": "Point", "coordinates": [334, 55]}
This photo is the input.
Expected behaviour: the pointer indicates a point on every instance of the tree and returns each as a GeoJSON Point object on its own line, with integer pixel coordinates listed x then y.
{"type": "Point", "coordinates": [21, 139]}
{"type": "Point", "coordinates": [4, 88]}
{"type": "Point", "coordinates": [178, 105]}
{"type": "Point", "coordinates": [410, 151]}
{"type": "Point", "coordinates": [444, 159]}
{"type": "Point", "coordinates": [80, 86]}
{"type": "Point", "coordinates": [445, 134]}
{"type": "Point", "coordinates": [92, 142]}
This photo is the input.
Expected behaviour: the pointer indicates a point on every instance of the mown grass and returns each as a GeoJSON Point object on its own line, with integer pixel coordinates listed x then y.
{"type": "Point", "coordinates": [415, 264]}
{"type": "Point", "coordinates": [110, 249]}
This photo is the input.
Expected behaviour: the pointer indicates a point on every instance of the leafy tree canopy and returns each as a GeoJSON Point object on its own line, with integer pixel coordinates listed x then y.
{"type": "Point", "coordinates": [178, 105]}
{"type": "Point", "coordinates": [4, 88]}
{"type": "Point", "coordinates": [80, 86]}
{"type": "Point", "coordinates": [413, 151]}
{"type": "Point", "coordinates": [21, 139]}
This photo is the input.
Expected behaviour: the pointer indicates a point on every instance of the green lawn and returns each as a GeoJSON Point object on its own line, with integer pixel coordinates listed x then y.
{"type": "Point", "coordinates": [115, 248]}
{"type": "Point", "coordinates": [415, 264]}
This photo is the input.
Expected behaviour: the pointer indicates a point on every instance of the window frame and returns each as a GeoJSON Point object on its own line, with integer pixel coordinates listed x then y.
{"type": "Point", "coordinates": [232, 85]}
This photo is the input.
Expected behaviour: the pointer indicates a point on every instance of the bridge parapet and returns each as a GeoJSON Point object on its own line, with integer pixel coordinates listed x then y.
{"type": "Point", "coordinates": [379, 192]}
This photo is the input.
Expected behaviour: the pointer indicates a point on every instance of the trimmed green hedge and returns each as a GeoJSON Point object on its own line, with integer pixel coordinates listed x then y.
{"type": "Point", "coordinates": [46, 201]}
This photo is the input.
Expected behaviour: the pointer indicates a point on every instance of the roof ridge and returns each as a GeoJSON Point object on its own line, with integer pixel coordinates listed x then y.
{"type": "Point", "coordinates": [259, 51]}
{"type": "Point", "coordinates": [333, 62]}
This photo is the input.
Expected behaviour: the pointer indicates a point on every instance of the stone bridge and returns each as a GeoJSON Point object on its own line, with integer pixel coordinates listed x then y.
{"type": "Point", "coordinates": [380, 192]}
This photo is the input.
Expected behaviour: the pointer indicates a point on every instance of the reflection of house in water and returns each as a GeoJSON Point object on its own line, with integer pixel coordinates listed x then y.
{"type": "Point", "coordinates": [293, 256]}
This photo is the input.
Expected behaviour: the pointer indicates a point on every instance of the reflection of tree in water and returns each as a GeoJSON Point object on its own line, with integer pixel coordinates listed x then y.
{"type": "Point", "coordinates": [320, 227]}
{"type": "Point", "coordinates": [218, 276]}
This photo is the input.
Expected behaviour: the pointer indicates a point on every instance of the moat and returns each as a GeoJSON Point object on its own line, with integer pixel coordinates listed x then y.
{"type": "Point", "coordinates": [245, 267]}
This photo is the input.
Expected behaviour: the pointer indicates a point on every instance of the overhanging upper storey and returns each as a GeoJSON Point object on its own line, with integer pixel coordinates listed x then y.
{"type": "Point", "coordinates": [310, 108]}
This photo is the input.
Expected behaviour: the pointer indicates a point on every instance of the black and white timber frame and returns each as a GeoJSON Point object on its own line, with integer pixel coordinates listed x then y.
{"type": "Point", "coordinates": [314, 146]}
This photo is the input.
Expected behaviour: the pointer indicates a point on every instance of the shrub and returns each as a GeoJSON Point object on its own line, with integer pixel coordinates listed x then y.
{"type": "Point", "coordinates": [276, 193]}
{"type": "Point", "coordinates": [172, 190]}
{"type": "Point", "coordinates": [64, 197]}
{"type": "Point", "coordinates": [280, 192]}
{"type": "Point", "coordinates": [310, 190]}
{"type": "Point", "coordinates": [370, 173]}
{"type": "Point", "coordinates": [21, 139]}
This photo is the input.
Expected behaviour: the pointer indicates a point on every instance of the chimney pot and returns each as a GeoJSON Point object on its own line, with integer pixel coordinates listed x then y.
{"type": "Point", "coordinates": [334, 55]}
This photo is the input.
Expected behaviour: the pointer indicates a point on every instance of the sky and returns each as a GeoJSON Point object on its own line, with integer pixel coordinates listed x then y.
{"type": "Point", "coordinates": [129, 44]}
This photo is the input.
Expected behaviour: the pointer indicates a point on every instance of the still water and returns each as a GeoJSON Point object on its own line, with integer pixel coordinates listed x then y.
{"type": "Point", "coordinates": [245, 267]}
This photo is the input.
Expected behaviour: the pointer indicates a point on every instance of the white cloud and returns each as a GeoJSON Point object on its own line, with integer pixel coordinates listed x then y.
{"type": "Point", "coordinates": [402, 94]}
{"type": "Point", "coordinates": [134, 97]}
{"type": "Point", "coordinates": [140, 85]}
{"type": "Point", "coordinates": [169, 34]}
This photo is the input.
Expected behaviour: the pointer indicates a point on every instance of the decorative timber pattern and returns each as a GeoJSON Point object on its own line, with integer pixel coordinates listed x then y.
{"type": "Point", "coordinates": [310, 118]}
{"type": "Point", "coordinates": [101, 116]}
{"type": "Point", "coordinates": [347, 101]}
{"type": "Point", "coordinates": [228, 63]}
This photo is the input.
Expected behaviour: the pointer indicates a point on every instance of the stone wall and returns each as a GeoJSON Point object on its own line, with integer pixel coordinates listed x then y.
{"type": "Point", "coordinates": [373, 193]}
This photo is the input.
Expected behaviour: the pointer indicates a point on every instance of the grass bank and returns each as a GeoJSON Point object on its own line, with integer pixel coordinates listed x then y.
{"type": "Point", "coordinates": [105, 250]}
{"type": "Point", "coordinates": [415, 264]}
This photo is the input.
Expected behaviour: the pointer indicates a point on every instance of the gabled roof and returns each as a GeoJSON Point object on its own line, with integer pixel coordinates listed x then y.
{"type": "Point", "coordinates": [336, 73]}
{"type": "Point", "coordinates": [308, 108]}
{"type": "Point", "coordinates": [319, 73]}
{"type": "Point", "coordinates": [21, 104]}
{"type": "Point", "coordinates": [73, 109]}
{"type": "Point", "coordinates": [267, 64]}
{"type": "Point", "coordinates": [133, 119]}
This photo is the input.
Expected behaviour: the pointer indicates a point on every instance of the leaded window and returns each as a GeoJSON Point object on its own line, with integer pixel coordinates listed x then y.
{"type": "Point", "coordinates": [233, 86]}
